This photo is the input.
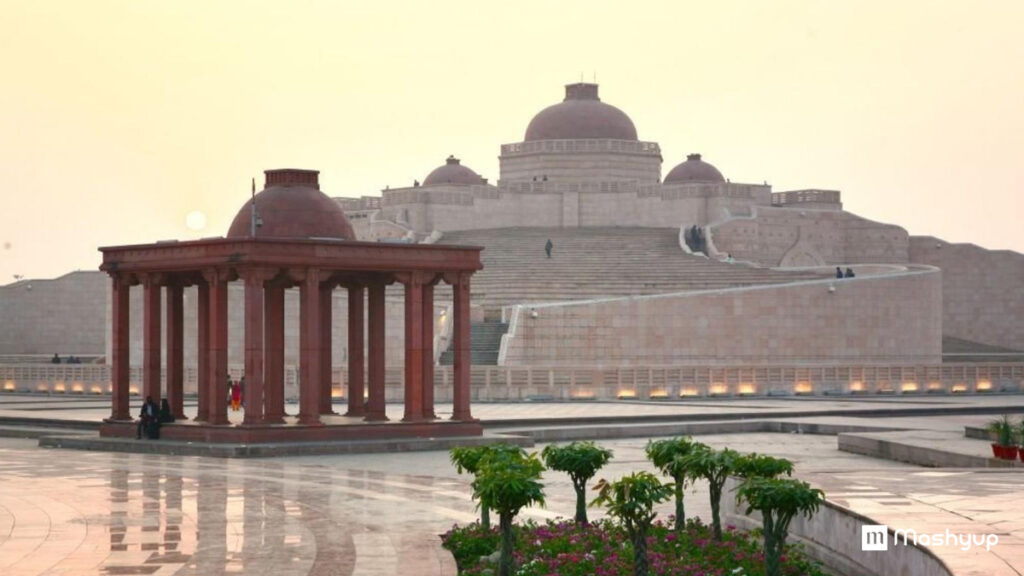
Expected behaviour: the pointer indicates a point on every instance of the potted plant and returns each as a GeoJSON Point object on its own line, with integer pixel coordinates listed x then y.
{"type": "Point", "coordinates": [1020, 439]}
{"type": "Point", "coordinates": [1003, 431]}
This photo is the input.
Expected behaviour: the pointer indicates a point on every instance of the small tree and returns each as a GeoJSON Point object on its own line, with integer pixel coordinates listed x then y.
{"type": "Point", "coordinates": [507, 481]}
{"type": "Point", "coordinates": [666, 456]}
{"type": "Point", "coordinates": [467, 459]}
{"type": "Point", "coordinates": [715, 466]}
{"type": "Point", "coordinates": [778, 500]}
{"type": "Point", "coordinates": [631, 499]}
{"type": "Point", "coordinates": [580, 460]}
{"type": "Point", "coordinates": [756, 465]}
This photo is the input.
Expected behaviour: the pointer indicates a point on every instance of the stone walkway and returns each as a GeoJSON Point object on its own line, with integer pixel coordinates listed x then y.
{"type": "Point", "coordinates": [85, 513]}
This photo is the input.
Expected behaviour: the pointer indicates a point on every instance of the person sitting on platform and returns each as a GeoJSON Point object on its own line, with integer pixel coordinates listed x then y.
{"type": "Point", "coordinates": [849, 273]}
{"type": "Point", "coordinates": [55, 359]}
{"type": "Point", "coordinates": [166, 417]}
{"type": "Point", "coordinates": [148, 420]}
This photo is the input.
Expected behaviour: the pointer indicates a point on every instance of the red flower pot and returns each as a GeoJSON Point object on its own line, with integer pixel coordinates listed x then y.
{"type": "Point", "coordinates": [1005, 452]}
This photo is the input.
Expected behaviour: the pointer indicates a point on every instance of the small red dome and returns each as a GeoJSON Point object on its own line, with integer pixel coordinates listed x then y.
{"type": "Point", "coordinates": [291, 205]}
{"type": "Point", "coordinates": [694, 170]}
{"type": "Point", "coordinates": [581, 115]}
{"type": "Point", "coordinates": [452, 172]}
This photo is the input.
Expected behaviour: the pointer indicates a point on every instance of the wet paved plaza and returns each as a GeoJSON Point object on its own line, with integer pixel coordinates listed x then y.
{"type": "Point", "coordinates": [82, 513]}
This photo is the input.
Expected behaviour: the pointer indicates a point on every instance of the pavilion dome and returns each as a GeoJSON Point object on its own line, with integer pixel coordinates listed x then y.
{"type": "Point", "coordinates": [694, 170]}
{"type": "Point", "coordinates": [581, 115]}
{"type": "Point", "coordinates": [452, 172]}
{"type": "Point", "coordinates": [291, 205]}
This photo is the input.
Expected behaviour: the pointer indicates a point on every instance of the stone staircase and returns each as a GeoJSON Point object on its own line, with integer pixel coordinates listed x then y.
{"type": "Point", "coordinates": [485, 341]}
{"type": "Point", "coordinates": [597, 262]}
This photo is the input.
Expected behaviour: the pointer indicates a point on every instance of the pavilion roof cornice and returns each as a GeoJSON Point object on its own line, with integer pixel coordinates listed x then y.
{"type": "Point", "coordinates": [324, 254]}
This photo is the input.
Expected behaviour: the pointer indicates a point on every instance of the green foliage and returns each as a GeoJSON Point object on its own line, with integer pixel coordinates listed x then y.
{"type": "Point", "coordinates": [778, 500]}
{"type": "Point", "coordinates": [602, 548]}
{"type": "Point", "coordinates": [581, 460]}
{"type": "Point", "coordinates": [756, 465]}
{"type": "Point", "coordinates": [631, 499]}
{"type": "Point", "coordinates": [1003, 430]}
{"type": "Point", "coordinates": [467, 459]}
{"type": "Point", "coordinates": [667, 455]}
{"type": "Point", "coordinates": [469, 543]}
{"type": "Point", "coordinates": [715, 466]}
{"type": "Point", "coordinates": [506, 482]}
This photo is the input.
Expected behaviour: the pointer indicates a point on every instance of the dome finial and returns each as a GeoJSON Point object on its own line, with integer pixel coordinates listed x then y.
{"type": "Point", "coordinates": [581, 91]}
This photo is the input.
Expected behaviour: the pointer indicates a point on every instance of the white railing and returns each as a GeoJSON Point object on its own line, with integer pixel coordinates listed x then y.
{"type": "Point", "coordinates": [602, 382]}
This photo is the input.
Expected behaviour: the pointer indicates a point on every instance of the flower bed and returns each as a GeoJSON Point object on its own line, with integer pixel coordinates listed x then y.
{"type": "Point", "coordinates": [602, 549]}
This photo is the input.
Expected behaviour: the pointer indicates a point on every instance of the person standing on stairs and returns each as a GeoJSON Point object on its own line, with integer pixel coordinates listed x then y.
{"type": "Point", "coordinates": [548, 247]}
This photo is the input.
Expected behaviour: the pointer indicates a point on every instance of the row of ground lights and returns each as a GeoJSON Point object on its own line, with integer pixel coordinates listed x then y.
{"type": "Point", "coordinates": [800, 388]}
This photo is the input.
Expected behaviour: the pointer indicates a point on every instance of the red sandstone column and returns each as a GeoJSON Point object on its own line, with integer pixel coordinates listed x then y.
{"type": "Point", "coordinates": [151, 337]}
{"type": "Point", "coordinates": [375, 403]}
{"type": "Point", "coordinates": [356, 404]}
{"type": "Point", "coordinates": [203, 352]}
{"type": "Point", "coordinates": [413, 347]}
{"type": "Point", "coordinates": [309, 346]}
{"type": "Point", "coordinates": [254, 345]}
{"type": "Point", "coordinates": [428, 351]}
{"type": "Point", "coordinates": [119, 348]}
{"type": "Point", "coordinates": [176, 349]}
{"type": "Point", "coordinates": [273, 384]}
{"type": "Point", "coordinates": [218, 350]}
{"type": "Point", "coordinates": [326, 364]}
{"type": "Point", "coordinates": [460, 392]}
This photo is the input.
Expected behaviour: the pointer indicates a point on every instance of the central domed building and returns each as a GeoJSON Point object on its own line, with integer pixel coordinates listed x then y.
{"type": "Point", "coordinates": [689, 269]}
{"type": "Point", "coordinates": [658, 283]}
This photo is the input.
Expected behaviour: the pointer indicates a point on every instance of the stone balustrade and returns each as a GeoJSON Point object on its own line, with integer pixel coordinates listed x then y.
{"type": "Point", "coordinates": [582, 145]}
{"type": "Point", "coordinates": [586, 383]}
{"type": "Point", "coordinates": [809, 196]}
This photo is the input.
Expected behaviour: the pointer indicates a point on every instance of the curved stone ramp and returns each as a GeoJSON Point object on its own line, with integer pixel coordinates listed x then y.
{"type": "Point", "coordinates": [597, 262]}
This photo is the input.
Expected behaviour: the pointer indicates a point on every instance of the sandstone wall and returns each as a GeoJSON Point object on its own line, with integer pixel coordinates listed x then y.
{"type": "Point", "coordinates": [983, 290]}
{"type": "Point", "coordinates": [794, 237]}
{"type": "Point", "coordinates": [892, 318]}
{"type": "Point", "coordinates": [565, 205]}
{"type": "Point", "coordinates": [62, 316]}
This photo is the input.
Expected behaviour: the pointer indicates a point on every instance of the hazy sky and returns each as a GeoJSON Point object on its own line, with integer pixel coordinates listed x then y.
{"type": "Point", "coordinates": [119, 118]}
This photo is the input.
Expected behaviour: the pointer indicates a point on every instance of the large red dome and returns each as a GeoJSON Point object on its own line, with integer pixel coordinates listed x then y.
{"type": "Point", "coordinates": [581, 115]}
{"type": "Point", "coordinates": [291, 205]}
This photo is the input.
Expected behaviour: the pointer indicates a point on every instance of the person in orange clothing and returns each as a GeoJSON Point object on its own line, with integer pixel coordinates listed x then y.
{"type": "Point", "coordinates": [236, 396]}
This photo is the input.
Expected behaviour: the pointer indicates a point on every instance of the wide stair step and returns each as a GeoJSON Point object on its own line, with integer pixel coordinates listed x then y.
{"type": "Point", "coordinates": [597, 262]}
{"type": "Point", "coordinates": [484, 344]}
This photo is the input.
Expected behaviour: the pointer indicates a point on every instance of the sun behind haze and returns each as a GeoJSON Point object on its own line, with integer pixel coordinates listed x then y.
{"type": "Point", "coordinates": [121, 117]}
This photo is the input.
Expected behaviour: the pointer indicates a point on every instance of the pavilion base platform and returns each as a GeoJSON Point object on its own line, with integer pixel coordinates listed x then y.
{"type": "Point", "coordinates": [163, 446]}
{"type": "Point", "coordinates": [332, 429]}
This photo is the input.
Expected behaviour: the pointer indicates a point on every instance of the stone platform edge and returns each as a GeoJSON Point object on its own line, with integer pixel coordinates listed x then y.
{"type": "Point", "coordinates": [866, 444]}
{"type": "Point", "coordinates": [833, 537]}
{"type": "Point", "coordinates": [271, 450]}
